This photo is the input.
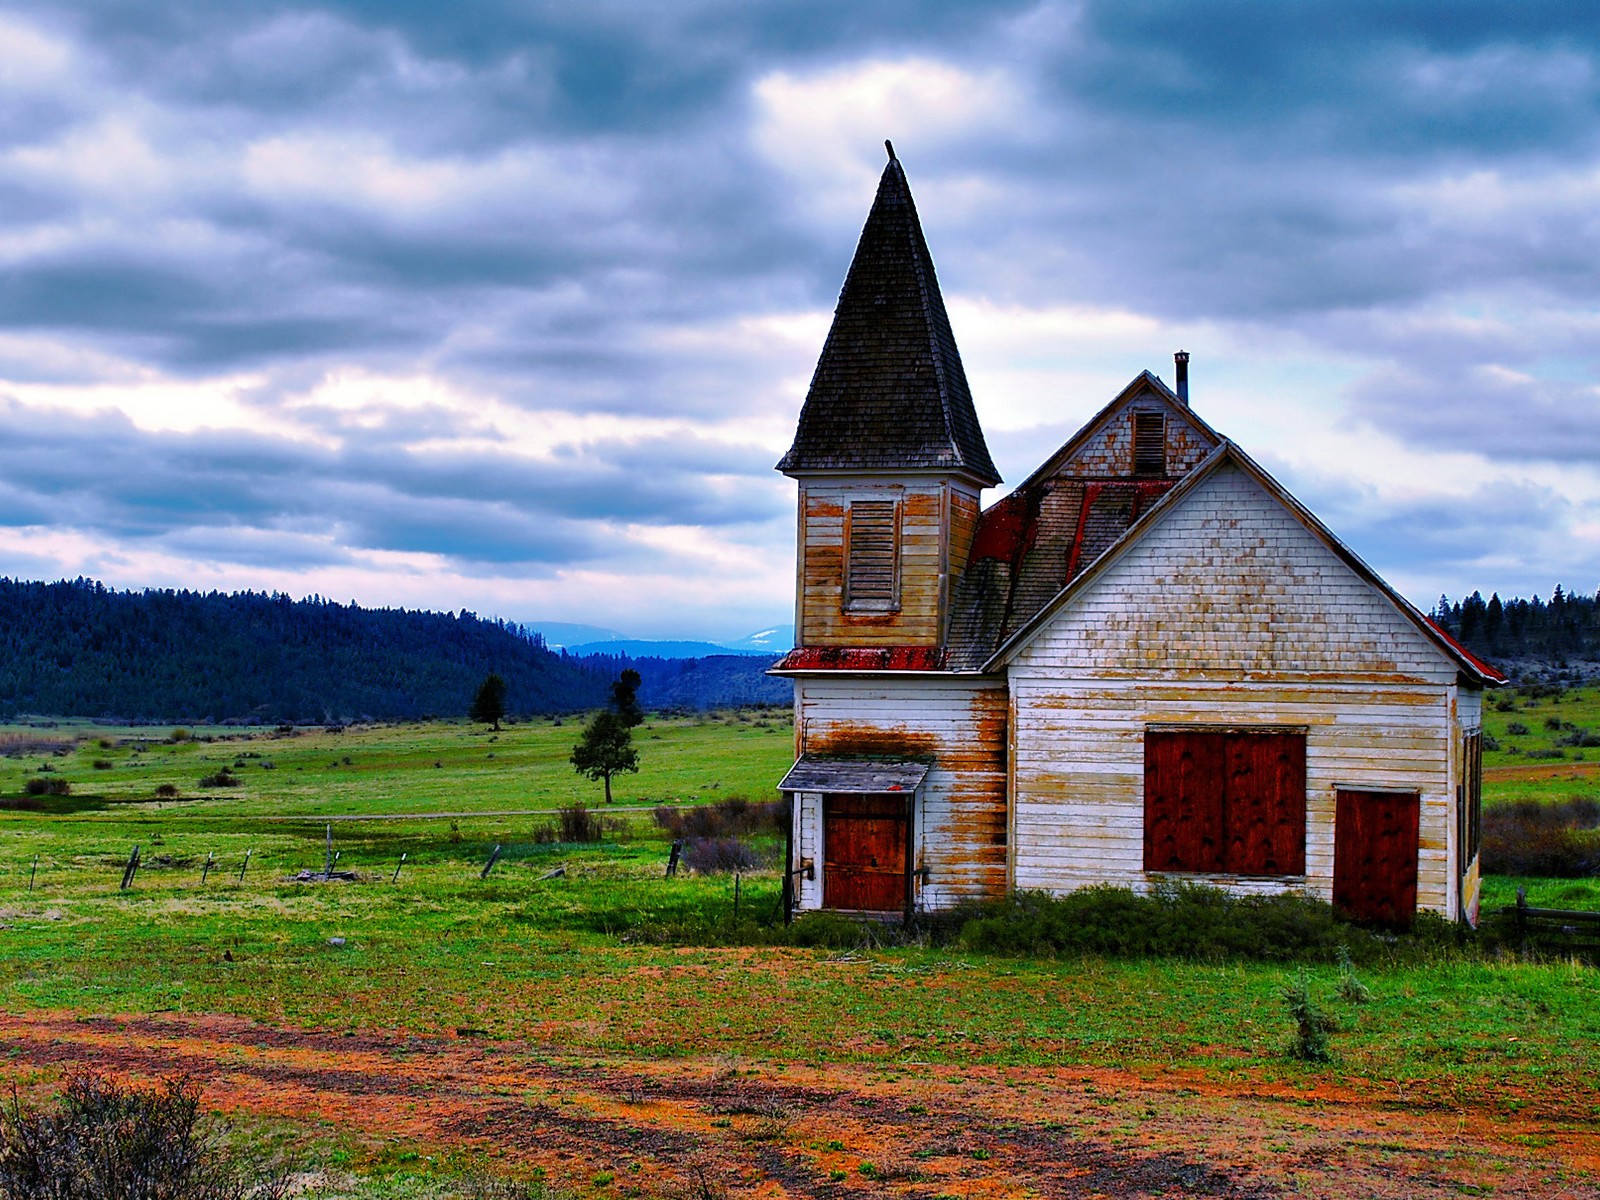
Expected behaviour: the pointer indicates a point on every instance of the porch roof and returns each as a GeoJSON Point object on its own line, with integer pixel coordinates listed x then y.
{"type": "Point", "coordinates": [814, 773]}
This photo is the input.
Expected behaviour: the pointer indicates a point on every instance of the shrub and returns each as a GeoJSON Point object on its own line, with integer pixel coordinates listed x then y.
{"type": "Point", "coordinates": [1312, 1023]}
{"type": "Point", "coordinates": [1553, 724]}
{"type": "Point", "coordinates": [730, 817]}
{"type": "Point", "coordinates": [102, 764]}
{"type": "Point", "coordinates": [224, 778]}
{"type": "Point", "coordinates": [1528, 837]}
{"type": "Point", "coordinates": [22, 804]}
{"type": "Point", "coordinates": [105, 1139]}
{"type": "Point", "coordinates": [578, 824]}
{"type": "Point", "coordinates": [1490, 742]}
{"type": "Point", "coordinates": [1190, 921]}
{"type": "Point", "coordinates": [708, 855]}
{"type": "Point", "coordinates": [166, 791]}
{"type": "Point", "coordinates": [1517, 729]}
{"type": "Point", "coordinates": [47, 787]}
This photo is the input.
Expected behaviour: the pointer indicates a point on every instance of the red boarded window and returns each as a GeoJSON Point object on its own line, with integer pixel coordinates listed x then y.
{"type": "Point", "coordinates": [1229, 803]}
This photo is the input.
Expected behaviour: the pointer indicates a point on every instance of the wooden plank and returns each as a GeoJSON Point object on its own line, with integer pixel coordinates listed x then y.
{"type": "Point", "coordinates": [1375, 855]}
{"type": "Point", "coordinates": [1183, 802]}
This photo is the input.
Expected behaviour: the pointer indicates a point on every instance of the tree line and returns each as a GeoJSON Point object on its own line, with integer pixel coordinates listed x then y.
{"type": "Point", "coordinates": [1567, 626]}
{"type": "Point", "coordinates": [78, 648]}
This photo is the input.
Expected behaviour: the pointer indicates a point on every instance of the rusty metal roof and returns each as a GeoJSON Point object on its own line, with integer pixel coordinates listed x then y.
{"type": "Point", "coordinates": [1031, 545]}
{"type": "Point", "coordinates": [814, 773]}
{"type": "Point", "coordinates": [889, 391]}
{"type": "Point", "coordinates": [862, 658]}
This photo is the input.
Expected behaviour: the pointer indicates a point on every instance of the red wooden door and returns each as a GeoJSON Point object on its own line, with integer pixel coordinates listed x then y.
{"type": "Point", "coordinates": [864, 853]}
{"type": "Point", "coordinates": [1375, 855]}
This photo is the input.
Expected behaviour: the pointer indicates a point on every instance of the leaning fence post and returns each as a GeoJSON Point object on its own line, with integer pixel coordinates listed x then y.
{"type": "Point", "coordinates": [33, 872]}
{"type": "Point", "coordinates": [397, 867]}
{"type": "Point", "coordinates": [327, 860]}
{"type": "Point", "coordinates": [1522, 919]}
{"type": "Point", "coordinates": [736, 895]}
{"type": "Point", "coordinates": [246, 866]}
{"type": "Point", "coordinates": [206, 870]}
{"type": "Point", "coordinates": [130, 870]}
{"type": "Point", "coordinates": [489, 866]}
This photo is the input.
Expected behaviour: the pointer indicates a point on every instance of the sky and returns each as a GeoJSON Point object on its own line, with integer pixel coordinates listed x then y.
{"type": "Point", "coordinates": [511, 307]}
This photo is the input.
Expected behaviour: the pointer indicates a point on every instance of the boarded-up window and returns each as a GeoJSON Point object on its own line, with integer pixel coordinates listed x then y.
{"type": "Point", "coordinates": [1225, 803]}
{"type": "Point", "coordinates": [1471, 794]}
{"type": "Point", "coordinates": [1149, 443]}
{"type": "Point", "coordinates": [872, 580]}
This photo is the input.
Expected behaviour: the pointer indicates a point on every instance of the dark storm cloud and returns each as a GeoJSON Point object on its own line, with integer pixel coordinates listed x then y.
{"type": "Point", "coordinates": [101, 474]}
{"type": "Point", "coordinates": [573, 209]}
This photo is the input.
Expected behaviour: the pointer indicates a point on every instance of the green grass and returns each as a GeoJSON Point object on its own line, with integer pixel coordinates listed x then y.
{"type": "Point", "coordinates": [558, 961]}
{"type": "Point", "coordinates": [1572, 712]}
{"type": "Point", "coordinates": [400, 769]}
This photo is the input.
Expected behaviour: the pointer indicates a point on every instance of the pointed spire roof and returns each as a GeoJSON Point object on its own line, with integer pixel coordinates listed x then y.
{"type": "Point", "coordinates": [889, 391]}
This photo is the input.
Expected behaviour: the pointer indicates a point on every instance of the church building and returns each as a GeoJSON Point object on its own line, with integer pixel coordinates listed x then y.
{"type": "Point", "coordinates": [1148, 662]}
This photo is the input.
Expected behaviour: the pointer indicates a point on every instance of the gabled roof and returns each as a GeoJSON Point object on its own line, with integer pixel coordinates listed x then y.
{"type": "Point", "coordinates": [1142, 385]}
{"type": "Point", "coordinates": [1032, 543]}
{"type": "Point", "coordinates": [1468, 665]}
{"type": "Point", "coordinates": [889, 391]}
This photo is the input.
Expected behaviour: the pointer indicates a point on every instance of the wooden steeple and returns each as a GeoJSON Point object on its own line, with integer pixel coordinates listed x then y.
{"type": "Point", "coordinates": [889, 391]}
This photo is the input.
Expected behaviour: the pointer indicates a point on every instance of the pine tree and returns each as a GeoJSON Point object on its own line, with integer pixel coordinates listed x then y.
{"type": "Point", "coordinates": [489, 705]}
{"type": "Point", "coordinates": [606, 749]}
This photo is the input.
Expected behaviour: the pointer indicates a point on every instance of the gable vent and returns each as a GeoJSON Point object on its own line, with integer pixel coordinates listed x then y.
{"type": "Point", "coordinates": [1149, 443]}
{"type": "Point", "coordinates": [873, 583]}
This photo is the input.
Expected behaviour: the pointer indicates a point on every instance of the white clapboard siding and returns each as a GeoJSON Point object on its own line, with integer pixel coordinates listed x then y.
{"type": "Point", "coordinates": [1228, 612]}
{"type": "Point", "coordinates": [1230, 584]}
{"type": "Point", "coordinates": [958, 838]}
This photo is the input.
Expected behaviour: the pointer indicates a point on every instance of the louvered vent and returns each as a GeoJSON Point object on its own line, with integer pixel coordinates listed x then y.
{"type": "Point", "coordinates": [1149, 444]}
{"type": "Point", "coordinates": [874, 582]}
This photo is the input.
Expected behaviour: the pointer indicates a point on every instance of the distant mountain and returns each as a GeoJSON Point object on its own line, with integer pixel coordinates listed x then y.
{"type": "Point", "coordinates": [80, 650]}
{"type": "Point", "coordinates": [778, 640]}
{"type": "Point", "coordinates": [642, 649]}
{"type": "Point", "coordinates": [561, 634]}
{"type": "Point", "coordinates": [717, 681]}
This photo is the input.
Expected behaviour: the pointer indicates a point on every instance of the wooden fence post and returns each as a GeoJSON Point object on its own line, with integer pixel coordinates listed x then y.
{"type": "Point", "coordinates": [33, 872]}
{"type": "Point", "coordinates": [1522, 919]}
{"type": "Point", "coordinates": [206, 870]}
{"type": "Point", "coordinates": [246, 866]}
{"type": "Point", "coordinates": [130, 870]}
{"type": "Point", "coordinates": [397, 867]}
{"type": "Point", "coordinates": [489, 866]}
{"type": "Point", "coordinates": [327, 858]}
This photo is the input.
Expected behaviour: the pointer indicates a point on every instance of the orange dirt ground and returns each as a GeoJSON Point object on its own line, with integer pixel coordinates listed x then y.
{"type": "Point", "coordinates": [1538, 771]}
{"type": "Point", "coordinates": [688, 1127]}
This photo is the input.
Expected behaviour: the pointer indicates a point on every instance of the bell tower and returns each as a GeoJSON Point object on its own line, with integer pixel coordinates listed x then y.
{"type": "Point", "coordinates": [888, 455]}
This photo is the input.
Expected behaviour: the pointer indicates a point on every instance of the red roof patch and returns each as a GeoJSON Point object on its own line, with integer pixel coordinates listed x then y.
{"type": "Point", "coordinates": [853, 658]}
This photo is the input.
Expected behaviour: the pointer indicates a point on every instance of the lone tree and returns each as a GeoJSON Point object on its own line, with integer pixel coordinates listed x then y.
{"type": "Point", "coordinates": [625, 698]}
{"type": "Point", "coordinates": [489, 705]}
{"type": "Point", "coordinates": [607, 745]}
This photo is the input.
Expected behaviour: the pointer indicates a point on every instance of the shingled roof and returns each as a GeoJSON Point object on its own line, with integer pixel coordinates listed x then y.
{"type": "Point", "coordinates": [889, 391]}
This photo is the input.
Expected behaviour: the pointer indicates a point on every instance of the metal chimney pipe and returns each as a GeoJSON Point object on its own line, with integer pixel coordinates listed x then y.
{"type": "Point", "coordinates": [1180, 360]}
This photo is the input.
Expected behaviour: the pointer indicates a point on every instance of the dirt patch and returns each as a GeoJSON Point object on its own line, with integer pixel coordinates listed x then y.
{"type": "Point", "coordinates": [1539, 771]}
{"type": "Point", "coordinates": [681, 1126]}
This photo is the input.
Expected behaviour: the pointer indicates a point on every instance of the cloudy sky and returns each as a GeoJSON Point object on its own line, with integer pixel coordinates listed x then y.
{"type": "Point", "coordinates": [511, 306]}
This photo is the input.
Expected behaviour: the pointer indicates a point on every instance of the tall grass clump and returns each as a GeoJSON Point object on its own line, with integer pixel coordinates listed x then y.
{"type": "Point", "coordinates": [1532, 837]}
{"type": "Point", "coordinates": [103, 1139]}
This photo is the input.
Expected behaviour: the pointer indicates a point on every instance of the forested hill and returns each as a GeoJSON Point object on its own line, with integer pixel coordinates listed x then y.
{"type": "Point", "coordinates": [79, 649]}
{"type": "Point", "coordinates": [1557, 633]}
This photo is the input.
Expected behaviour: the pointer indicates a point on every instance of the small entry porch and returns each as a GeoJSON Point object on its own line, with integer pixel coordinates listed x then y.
{"type": "Point", "coordinates": [853, 840]}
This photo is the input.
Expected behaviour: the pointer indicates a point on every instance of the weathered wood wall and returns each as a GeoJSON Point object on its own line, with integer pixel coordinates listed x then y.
{"type": "Point", "coordinates": [936, 525]}
{"type": "Point", "coordinates": [1228, 612]}
{"type": "Point", "coordinates": [960, 724]}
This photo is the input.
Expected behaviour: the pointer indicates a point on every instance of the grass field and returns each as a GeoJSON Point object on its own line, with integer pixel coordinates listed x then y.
{"type": "Point", "coordinates": [517, 1024]}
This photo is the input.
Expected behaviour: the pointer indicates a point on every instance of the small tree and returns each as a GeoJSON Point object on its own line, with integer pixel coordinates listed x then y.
{"type": "Point", "coordinates": [625, 698]}
{"type": "Point", "coordinates": [606, 749]}
{"type": "Point", "coordinates": [489, 705]}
